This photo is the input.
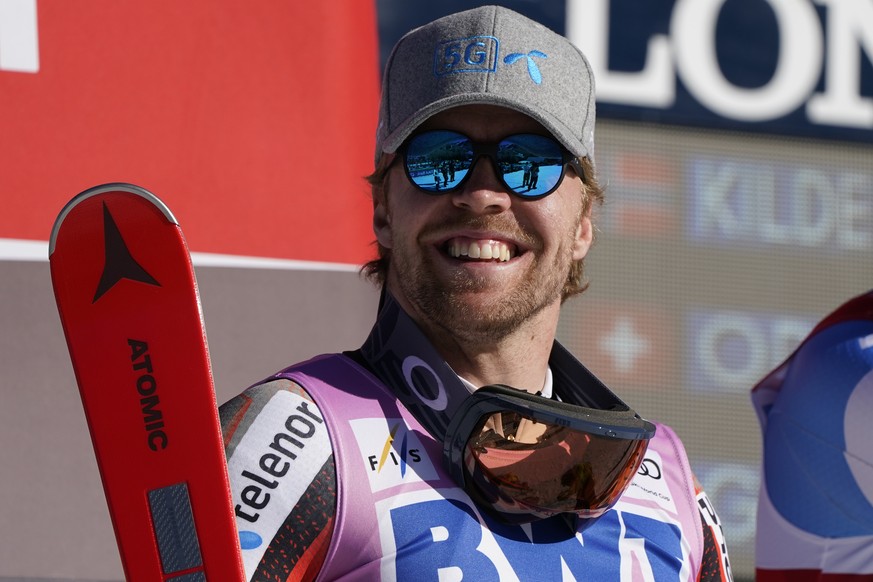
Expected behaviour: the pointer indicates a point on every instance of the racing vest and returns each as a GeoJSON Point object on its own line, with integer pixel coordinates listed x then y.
{"type": "Point", "coordinates": [399, 516]}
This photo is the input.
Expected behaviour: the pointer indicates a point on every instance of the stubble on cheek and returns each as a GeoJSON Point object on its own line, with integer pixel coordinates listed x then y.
{"type": "Point", "coordinates": [472, 308]}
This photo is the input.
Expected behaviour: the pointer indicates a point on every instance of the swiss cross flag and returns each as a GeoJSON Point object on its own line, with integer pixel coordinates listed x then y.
{"type": "Point", "coordinates": [815, 514]}
{"type": "Point", "coordinates": [629, 345]}
{"type": "Point", "coordinates": [254, 121]}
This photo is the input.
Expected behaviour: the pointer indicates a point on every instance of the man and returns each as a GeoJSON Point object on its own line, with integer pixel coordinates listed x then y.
{"type": "Point", "coordinates": [461, 440]}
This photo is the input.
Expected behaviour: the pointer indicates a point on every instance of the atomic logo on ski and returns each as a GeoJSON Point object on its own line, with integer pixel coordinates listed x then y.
{"type": "Point", "coordinates": [119, 264]}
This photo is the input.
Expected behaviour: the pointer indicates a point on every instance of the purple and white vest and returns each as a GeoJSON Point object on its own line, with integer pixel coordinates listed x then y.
{"type": "Point", "coordinates": [400, 517]}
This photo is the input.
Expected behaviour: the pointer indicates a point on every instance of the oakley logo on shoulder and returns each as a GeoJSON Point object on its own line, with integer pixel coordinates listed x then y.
{"type": "Point", "coordinates": [479, 54]}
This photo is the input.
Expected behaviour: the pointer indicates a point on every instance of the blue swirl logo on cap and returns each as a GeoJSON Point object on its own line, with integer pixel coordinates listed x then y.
{"type": "Point", "coordinates": [532, 69]}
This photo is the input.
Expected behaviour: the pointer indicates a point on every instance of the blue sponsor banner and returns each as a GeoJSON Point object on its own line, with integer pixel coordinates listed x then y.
{"type": "Point", "coordinates": [798, 67]}
{"type": "Point", "coordinates": [791, 67]}
{"type": "Point", "coordinates": [429, 534]}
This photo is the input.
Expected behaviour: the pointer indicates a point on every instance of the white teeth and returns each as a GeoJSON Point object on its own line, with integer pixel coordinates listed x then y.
{"type": "Point", "coordinates": [484, 250]}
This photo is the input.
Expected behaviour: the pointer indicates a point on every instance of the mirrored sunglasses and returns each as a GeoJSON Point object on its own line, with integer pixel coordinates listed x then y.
{"type": "Point", "coordinates": [528, 165]}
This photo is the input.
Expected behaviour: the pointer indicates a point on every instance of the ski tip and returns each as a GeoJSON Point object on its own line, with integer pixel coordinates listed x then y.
{"type": "Point", "coordinates": [102, 189]}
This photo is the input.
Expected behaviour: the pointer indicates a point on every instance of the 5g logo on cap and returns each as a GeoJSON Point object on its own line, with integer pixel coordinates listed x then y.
{"type": "Point", "coordinates": [476, 54]}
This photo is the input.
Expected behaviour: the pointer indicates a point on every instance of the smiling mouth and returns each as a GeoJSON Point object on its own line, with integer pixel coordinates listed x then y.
{"type": "Point", "coordinates": [480, 250]}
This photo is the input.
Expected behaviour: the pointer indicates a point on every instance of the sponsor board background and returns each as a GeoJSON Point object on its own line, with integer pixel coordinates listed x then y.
{"type": "Point", "coordinates": [684, 325]}
{"type": "Point", "coordinates": [716, 252]}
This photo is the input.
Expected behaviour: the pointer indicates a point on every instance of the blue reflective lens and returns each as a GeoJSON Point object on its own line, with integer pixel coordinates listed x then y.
{"type": "Point", "coordinates": [528, 165]}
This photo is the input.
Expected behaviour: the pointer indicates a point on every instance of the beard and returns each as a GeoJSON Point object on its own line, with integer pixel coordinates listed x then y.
{"type": "Point", "coordinates": [469, 307]}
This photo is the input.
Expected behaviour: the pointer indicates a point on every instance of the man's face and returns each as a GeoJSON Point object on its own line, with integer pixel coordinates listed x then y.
{"type": "Point", "coordinates": [479, 262]}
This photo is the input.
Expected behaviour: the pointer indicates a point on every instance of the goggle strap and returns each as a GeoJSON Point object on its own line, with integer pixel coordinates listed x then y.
{"type": "Point", "coordinates": [392, 349]}
{"type": "Point", "coordinates": [576, 384]}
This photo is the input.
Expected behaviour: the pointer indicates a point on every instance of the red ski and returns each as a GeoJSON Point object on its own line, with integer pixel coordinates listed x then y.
{"type": "Point", "coordinates": [128, 302]}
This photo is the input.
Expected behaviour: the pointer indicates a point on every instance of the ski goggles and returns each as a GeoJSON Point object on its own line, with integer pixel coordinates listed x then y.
{"type": "Point", "coordinates": [528, 165]}
{"type": "Point", "coordinates": [523, 457]}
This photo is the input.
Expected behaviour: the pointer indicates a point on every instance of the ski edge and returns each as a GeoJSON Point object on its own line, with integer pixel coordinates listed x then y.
{"type": "Point", "coordinates": [102, 189]}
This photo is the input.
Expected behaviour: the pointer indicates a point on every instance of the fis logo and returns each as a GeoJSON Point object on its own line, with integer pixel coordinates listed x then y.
{"type": "Point", "coordinates": [392, 454]}
{"type": "Point", "coordinates": [19, 47]}
{"type": "Point", "coordinates": [405, 454]}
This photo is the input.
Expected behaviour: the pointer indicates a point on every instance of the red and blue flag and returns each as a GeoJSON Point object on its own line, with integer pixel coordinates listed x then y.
{"type": "Point", "coordinates": [815, 511]}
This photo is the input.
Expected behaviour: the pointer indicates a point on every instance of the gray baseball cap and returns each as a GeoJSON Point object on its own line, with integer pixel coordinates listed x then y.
{"type": "Point", "coordinates": [488, 55]}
